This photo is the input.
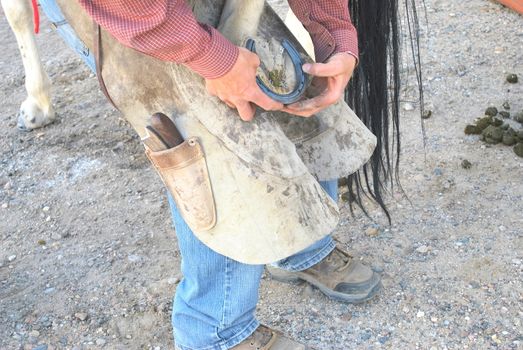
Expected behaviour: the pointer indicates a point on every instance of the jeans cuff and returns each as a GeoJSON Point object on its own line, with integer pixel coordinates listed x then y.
{"type": "Point", "coordinates": [229, 343]}
{"type": "Point", "coordinates": [310, 261]}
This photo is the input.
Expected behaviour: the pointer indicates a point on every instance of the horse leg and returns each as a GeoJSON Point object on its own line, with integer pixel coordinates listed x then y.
{"type": "Point", "coordinates": [240, 19]}
{"type": "Point", "coordinates": [36, 111]}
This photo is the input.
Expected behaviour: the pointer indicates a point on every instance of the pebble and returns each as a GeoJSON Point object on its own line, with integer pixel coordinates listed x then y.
{"type": "Point", "coordinates": [101, 342]}
{"type": "Point", "coordinates": [408, 106]}
{"type": "Point", "coordinates": [128, 336]}
{"type": "Point", "coordinates": [372, 231]}
{"type": "Point", "coordinates": [41, 347]}
{"type": "Point", "coordinates": [5, 205]}
{"type": "Point", "coordinates": [420, 314]}
{"type": "Point", "coordinates": [512, 78]}
{"type": "Point", "coordinates": [506, 105]}
{"type": "Point", "coordinates": [34, 333]}
{"type": "Point", "coordinates": [8, 186]}
{"type": "Point", "coordinates": [465, 164]}
{"type": "Point", "coordinates": [45, 209]}
{"type": "Point", "coordinates": [11, 258]}
{"type": "Point", "coordinates": [82, 316]}
{"type": "Point", "coordinates": [173, 280]}
{"type": "Point", "coordinates": [422, 249]}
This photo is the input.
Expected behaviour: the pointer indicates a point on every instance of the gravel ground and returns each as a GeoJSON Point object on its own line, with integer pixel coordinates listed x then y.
{"type": "Point", "coordinates": [88, 258]}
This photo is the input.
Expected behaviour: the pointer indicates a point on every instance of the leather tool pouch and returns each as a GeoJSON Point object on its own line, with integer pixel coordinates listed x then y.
{"type": "Point", "coordinates": [183, 170]}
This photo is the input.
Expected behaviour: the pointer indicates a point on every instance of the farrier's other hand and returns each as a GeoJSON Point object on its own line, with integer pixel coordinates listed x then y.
{"type": "Point", "coordinates": [238, 88]}
{"type": "Point", "coordinates": [330, 79]}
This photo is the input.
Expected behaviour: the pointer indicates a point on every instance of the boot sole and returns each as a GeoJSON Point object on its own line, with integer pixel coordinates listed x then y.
{"type": "Point", "coordinates": [293, 277]}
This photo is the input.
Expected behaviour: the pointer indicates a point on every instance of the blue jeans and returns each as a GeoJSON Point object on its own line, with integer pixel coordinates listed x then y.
{"type": "Point", "coordinates": [215, 302]}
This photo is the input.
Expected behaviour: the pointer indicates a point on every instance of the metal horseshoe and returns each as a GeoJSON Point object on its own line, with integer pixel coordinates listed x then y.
{"type": "Point", "coordinates": [299, 89]}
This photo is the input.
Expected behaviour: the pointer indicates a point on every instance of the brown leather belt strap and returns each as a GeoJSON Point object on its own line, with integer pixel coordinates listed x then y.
{"type": "Point", "coordinates": [98, 60]}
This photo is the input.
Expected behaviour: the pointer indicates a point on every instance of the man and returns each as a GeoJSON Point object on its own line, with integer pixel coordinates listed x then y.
{"type": "Point", "coordinates": [216, 300]}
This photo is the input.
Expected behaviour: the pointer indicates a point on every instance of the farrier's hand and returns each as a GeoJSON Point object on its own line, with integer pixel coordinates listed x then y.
{"type": "Point", "coordinates": [238, 88]}
{"type": "Point", "coordinates": [330, 79]}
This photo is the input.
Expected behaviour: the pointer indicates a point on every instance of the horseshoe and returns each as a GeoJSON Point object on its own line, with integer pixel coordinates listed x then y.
{"type": "Point", "coordinates": [299, 88]}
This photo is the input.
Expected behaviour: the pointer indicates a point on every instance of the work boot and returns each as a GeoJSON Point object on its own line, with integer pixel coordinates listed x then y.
{"type": "Point", "coordinates": [265, 338]}
{"type": "Point", "coordinates": [338, 275]}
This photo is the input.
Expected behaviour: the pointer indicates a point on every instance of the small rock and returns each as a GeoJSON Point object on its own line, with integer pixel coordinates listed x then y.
{"type": "Point", "coordinates": [465, 164]}
{"type": "Point", "coordinates": [372, 231]}
{"type": "Point", "coordinates": [504, 114]}
{"type": "Point", "coordinates": [420, 314]}
{"type": "Point", "coordinates": [41, 242]}
{"type": "Point", "coordinates": [438, 171]}
{"type": "Point", "coordinates": [8, 186]}
{"type": "Point", "coordinates": [422, 249]}
{"type": "Point", "coordinates": [5, 205]}
{"type": "Point", "coordinates": [426, 114]}
{"type": "Point", "coordinates": [512, 78]}
{"type": "Point", "coordinates": [491, 111]}
{"type": "Point", "coordinates": [173, 280]}
{"type": "Point", "coordinates": [82, 316]}
{"type": "Point", "coordinates": [474, 285]}
{"type": "Point", "coordinates": [408, 106]}
{"type": "Point", "coordinates": [56, 236]}
{"type": "Point", "coordinates": [128, 336]}
{"type": "Point", "coordinates": [11, 258]}
{"type": "Point", "coordinates": [45, 209]}
{"type": "Point", "coordinates": [506, 105]}
{"type": "Point", "coordinates": [41, 347]}
{"type": "Point", "coordinates": [101, 341]}
{"type": "Point", "coordinates": [34, 333]}
{"type": "Point", "coordinates": [518, 149]}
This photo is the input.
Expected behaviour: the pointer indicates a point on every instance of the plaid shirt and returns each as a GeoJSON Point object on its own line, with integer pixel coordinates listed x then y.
{"type": "Point", "coordinates": [168, 30]}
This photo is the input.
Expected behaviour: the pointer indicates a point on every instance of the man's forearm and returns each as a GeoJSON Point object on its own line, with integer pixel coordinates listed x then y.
{"type": "Point", "coordinates": [167, 30]}
{"type": "Point", "coordinates": [329, 24]}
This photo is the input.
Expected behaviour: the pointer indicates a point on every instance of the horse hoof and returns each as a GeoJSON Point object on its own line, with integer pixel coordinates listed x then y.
{"type": "Point", "coordinates": [32, 116]}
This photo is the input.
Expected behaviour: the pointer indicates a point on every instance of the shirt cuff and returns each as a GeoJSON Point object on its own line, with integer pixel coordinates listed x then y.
{"type": "Point", "coordinates": [217, 59]}
{"type": "Point", "coordinates": [346, 41]}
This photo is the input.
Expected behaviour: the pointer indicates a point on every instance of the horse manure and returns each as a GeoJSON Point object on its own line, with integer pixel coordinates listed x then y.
{"type": "Point", "coordinates": [519, 117]}
{"type": "Point", "coordinates": [492, 134]}
{"type": "Point", "coordinates": [483, 123]}
{"type": "Point", "coordinates": [491, 111]}
{"type": "Point", "coordinates": [508, 140]}
{"type": "Point", "coordinates": [426, 114]}
{"type": "Point", "coordinates": [472, 130]}
{"type": "Point", "coordinates": [504, 114]}
{"type": "Point", "coordinates": [496, 122]}
{"type": "Point", "coordinates": [518, 149]}
{"type": "Point", "coordinates": [512, 78]}
{"type": "Point", "coordinates": [506, 105]}
{"type": "Point", "coordinates": [505, 126]}
{"type": "Point", "coordinates": [465, 164]}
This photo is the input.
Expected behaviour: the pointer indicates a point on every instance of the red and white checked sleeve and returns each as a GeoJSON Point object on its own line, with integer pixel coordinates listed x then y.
{"type": "Point", "coordinates": [167, 30]}
{"type": "Point", "coordinates": [329, 24]}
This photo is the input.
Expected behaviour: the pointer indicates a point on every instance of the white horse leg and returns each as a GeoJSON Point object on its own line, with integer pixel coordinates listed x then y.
{"type": "Point", "coordinates": [36, 111]}
{"type": "Point", "coordinates": [240, 19]}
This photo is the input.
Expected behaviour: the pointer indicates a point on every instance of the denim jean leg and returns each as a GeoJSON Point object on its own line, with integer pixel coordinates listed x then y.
{"type": "Point", "coordinates": [317, 251]}
{"type": "Point", "coordinates": [215, 302]}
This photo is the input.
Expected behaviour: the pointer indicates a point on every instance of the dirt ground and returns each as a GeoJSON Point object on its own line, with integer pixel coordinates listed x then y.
{"type": "Point", "coordinates": [88, 258]}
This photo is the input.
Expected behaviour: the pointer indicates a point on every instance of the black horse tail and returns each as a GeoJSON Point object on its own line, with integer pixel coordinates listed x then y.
{"type": "Point", "coordinates": [374, 92]}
